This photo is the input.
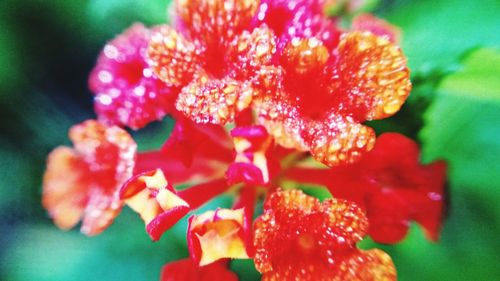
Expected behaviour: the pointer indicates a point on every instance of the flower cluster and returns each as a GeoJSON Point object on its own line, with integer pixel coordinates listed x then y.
{"type": "Point", "coordinates": [263, 93]}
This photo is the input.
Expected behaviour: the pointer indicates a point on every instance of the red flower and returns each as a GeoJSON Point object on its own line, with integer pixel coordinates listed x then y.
{"type": "Point", "coordinates": [219, 234]}
{"type": "Point", "coordinates": [188, 270]}
{"type": "Point", "coordinates": [219, 64]}
{"type": "Point", "coordinates": [391, 184]}
{"type": "Point", "coordinates": [155, 200]}
{"type": "Point", "coordinates": [189, 141]}
{"type": "Point", "coordinates": [324, 94]}
{"type": "Point", "coordinates": [284, 73]}
{"type": "Point", "coordinates": [84, 181]}
{"type": "Point", "coordinates": [299, 238]}
{"type": "Point", "coordinates": [250, 164]}
{"type": "Point", "coordinates": [326, 88]}
{"type": "Point", "coordinates": [127, 92]}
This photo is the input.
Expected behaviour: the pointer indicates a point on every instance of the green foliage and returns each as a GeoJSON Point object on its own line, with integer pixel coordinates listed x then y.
{"type": "Point", "coordinates": [123, 252]}
{"type": "Point", "coordinates": [462, 123]}
{"type": "Point", "coordinates": [119, 14]}
{"type": "Point", "coordinates": [466, 250]}
{"type": "Point", "coordinates": [437, 32]}
{"type": "Point", "coordinates": [461, 126]}
{"type": "Point", "coordinates": [9, 59]}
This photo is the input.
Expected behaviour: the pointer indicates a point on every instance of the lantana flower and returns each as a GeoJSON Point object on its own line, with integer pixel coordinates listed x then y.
{"type": "Point", "coordinates": [218, 234]}
{"type": "Point", "coordinates": [127, 93]}
{"type": "Point", "coordinates": [294, 84]}
{"type": "Point", "coordinates": [213, 56]}
{"type": "Point", "coordinates": [300, 18]}
{"type": "Point", "coordinates": [329, 80]}
{"type": "Point", "coordinates": [160, 205]}
{"type": "Point", "coordinates": [299, 238]}
{"type": "Point", "coordinates": [326, 93]}
{"type": "Point", "coordinates": [391, 185]}
{"type": "Point", "coordinates": [84, 182]}
{"type": "Point", "coordinates": [250, 165]}
{"type": "Point", "coordinates": [155, 200]}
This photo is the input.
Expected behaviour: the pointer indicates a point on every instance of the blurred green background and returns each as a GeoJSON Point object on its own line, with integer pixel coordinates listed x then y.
{"type": "Point", "coordinates": [47, 49]}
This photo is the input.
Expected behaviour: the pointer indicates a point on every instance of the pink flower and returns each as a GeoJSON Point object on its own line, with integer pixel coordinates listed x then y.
{"type": "Point", "coordinates": [126, 91]}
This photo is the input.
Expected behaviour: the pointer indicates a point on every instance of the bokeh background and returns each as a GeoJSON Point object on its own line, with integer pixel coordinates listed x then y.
{"type": "Point", "coordinates": [47, 49]}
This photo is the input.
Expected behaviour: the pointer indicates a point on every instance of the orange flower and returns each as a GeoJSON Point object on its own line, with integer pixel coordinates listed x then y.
{"type": "Point", "coordinates": [84, 181]}
{"type": "Point", "coordinates": [299, 238]}
{"type": "Point", "coordinates": [220, 64]}
{"type": "Point", "coordinates": [155, 200]}
{"type": "Point", "coordinates": [218, 234]}
{"type": "Point", "coordinates": [326, 93]}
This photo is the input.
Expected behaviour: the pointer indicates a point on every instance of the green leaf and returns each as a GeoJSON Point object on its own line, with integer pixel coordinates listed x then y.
{"type": "Point", "coordinates": [116, 15]}
{"type": "Point", "coordinates": [467, 249]}
{"type": "Point", "coordinates": [154, 135]}
{"type": "Point", "coordinates": [437, 32]}
{"type": "Point", "coordinates": [480, 79]}
{"type": "Point", "coordinates": [462, 127]}
{"type": "Point", "coordinates": [10, 72]}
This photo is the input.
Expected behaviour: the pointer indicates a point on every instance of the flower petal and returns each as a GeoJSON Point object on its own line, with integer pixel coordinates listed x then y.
{"type": "Point", "coordinates": [372, 74]}
{"type": "Point", "coordinates": [155, 200]}
{"type": "Point", "coordinates": [244, 172]}
{"type": "Point", "coordinates": [199, 194]}
{"type": "Point", "coordinates": [213, 22]}
{"type": "Point", "coordinates": [389, 217]}
{"type": "Point", "coordinates": [295, 224]}
{"type": "Point", "coordinates": [341, 141]}
{"type": "Point", "coordinates": [251, 144]}
{"type": "Point", "coordinates": [394, 188]}
{"type": "Point", "coordinates": [172, 57]}
{"type": "Point", "coordinates": [214, 101]}
{"type": "Point", "coordinates": [252, 54]}
{"type": "Point", "coordinates": [431, 216]}
{"type": "Point", "coordinates": [164, 221]}
{"type": "Point", "coordinates": [176, 171]}
{"type": "Point", "coordinates": [302, 18]}
{"type": "Point", "coordinates": [64, 188]}
{"type": "Point", "coordinates": [189, 140]}
{"type": "Point", "coordinates": [110, 152]}
{"type": "Point", "coordinates": [188, 270]}
{"type": "Point", "coordinates": [102, 160]}
{"type": "Point", "coordinates": [101, 210]}
{"type": "Point", "coordinates": [303, 56]}
{"type": "Point", "coordinates": [372, 265]}
{"type": "Point", "coordinates": [283, 122]}
{"type": "Point", "coordinates": [217, 234]}
{"type": "Point", "coordinates": [254, 49]}
{"type": "Point", "coordinates": [126, 91]}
